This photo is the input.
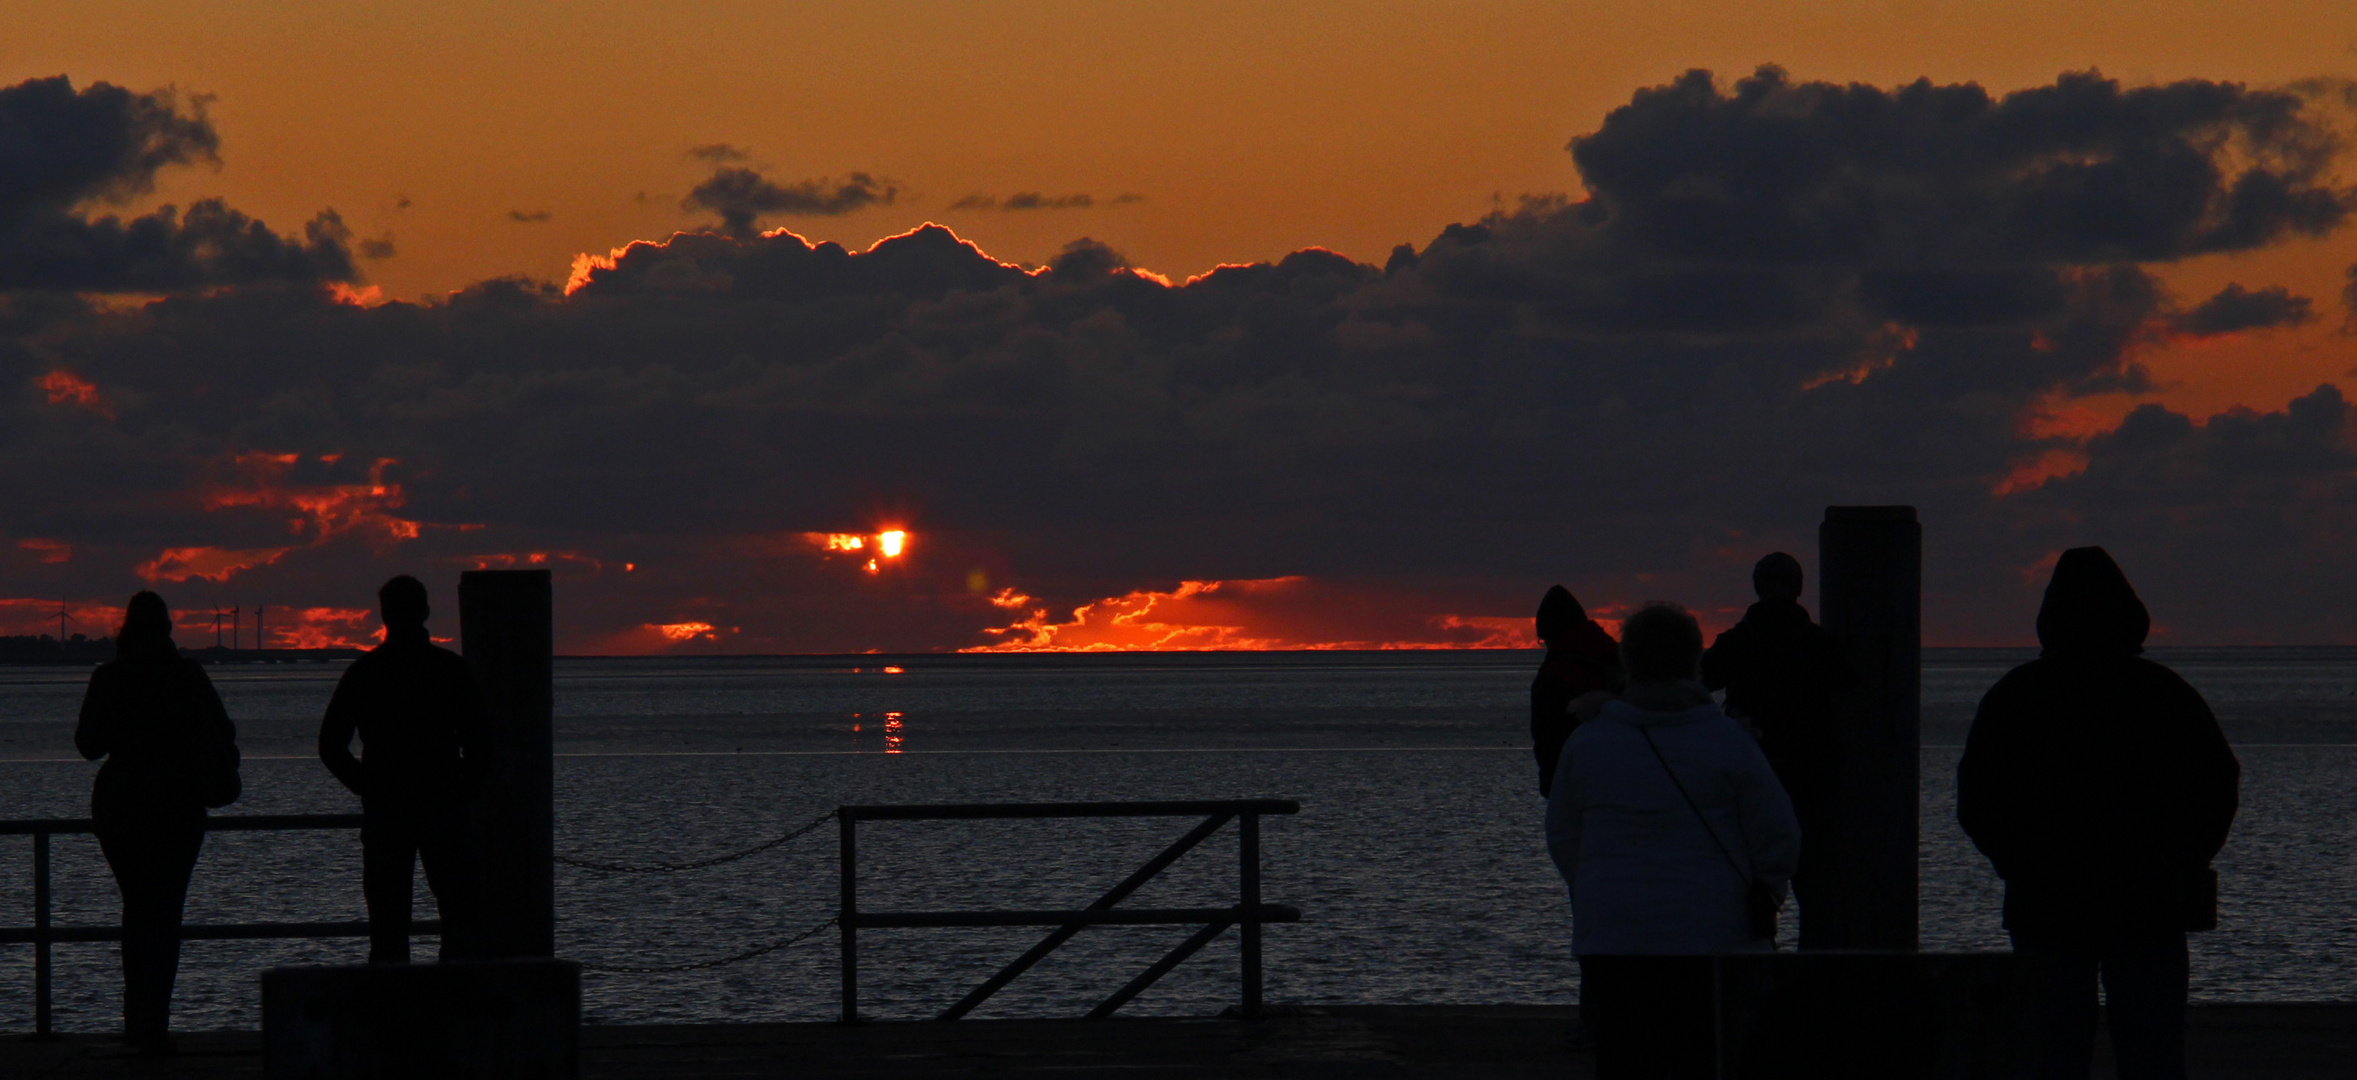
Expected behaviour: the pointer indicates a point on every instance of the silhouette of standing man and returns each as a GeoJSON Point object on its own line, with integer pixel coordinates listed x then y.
{"type": "Point", "coordinates": [422, 728]}
{"type": "Point", "coordinates": [1780, 671]}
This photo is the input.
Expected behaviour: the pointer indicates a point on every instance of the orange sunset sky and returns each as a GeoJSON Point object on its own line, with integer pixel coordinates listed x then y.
{"type": "Point", "coordinates": [461, 142]}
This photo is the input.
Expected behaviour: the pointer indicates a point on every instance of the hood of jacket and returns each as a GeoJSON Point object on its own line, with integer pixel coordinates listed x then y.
{"type": "Point", "coordinates": [1559, 612]}
{"type": "Point", "coordinates": [2090, 608]}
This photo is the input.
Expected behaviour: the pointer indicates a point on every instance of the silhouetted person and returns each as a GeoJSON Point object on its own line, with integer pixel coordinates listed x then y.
{"type": "Point", "coordinates": [1581, 660]}
{"type": "Point", "coordinates": [1663, 816]}
{"type": "Point", "coordinates": [1780, 671]}
{"type": "Point", "coordinates": [419, 715]}
{"type": "Point", "coordinates": [2099, 785]}
{"type": "Point", "coordinates": [170, 752]}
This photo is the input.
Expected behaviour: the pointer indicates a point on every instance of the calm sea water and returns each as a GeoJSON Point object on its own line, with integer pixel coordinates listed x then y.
{"type": "Point", "coordinates": [1416, 859]}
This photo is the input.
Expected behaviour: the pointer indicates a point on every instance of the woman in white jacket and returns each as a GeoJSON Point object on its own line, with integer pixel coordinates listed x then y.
{"type": "Point", "coordinates": [1663, 814]}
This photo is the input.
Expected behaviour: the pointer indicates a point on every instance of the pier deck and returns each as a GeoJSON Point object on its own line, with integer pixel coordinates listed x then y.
{"type": "Point", "coordinates": [1415, 1042]}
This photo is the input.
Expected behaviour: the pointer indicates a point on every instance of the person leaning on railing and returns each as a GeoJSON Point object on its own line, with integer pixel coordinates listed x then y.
{"type": "Point", "coordinates": [170, 752]}
{"type": "Point", "coordinates": [1677, 843]}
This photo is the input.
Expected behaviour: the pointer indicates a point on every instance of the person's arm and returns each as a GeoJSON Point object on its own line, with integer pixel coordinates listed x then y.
{"type": "Point", "coordinates": [1988, 781]}
{"type": "Point", "coordinates": [1719, 661]}
{"type": "Point", "coordinates": [1564, 823]}
{"type": "Point", "coordinates": [218, 727]}
{"type": "Point", "coordinates": [336, 730]}
{"type": "Point", "coordinates": [1771, 831]}
{"type": "Point", "coordinates": [2213, 781]}
{"type": "Point", "coordinates": [94, 731]}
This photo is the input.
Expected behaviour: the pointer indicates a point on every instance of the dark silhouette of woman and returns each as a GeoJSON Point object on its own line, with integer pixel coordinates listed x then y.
{"type": "Point", "coordinates": [170, 752]}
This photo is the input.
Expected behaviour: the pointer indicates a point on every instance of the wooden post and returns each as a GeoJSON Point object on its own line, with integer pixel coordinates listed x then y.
{"type": "Point", "coordinates": [507, 629]}
{"type": "Point", "coordinates": [1870, 596]}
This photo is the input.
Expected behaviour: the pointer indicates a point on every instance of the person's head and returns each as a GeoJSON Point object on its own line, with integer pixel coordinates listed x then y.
{"type": "Point", "coordinates": [402, 603]}
{"type": "Point", "coordinates": [1559, 611]}
{"type": "Point", "coordinates": [1661, 643]}
{"type": "Point", "coordinates": [2090, 607]}
{"type": "Point", "coordinates": [1776, 577]}
{"type": "Point", "coordinates": [145, 619]}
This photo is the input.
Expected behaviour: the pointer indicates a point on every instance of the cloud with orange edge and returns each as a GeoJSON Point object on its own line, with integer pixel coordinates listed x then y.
{"type": "Point", "coordinates": [1280, 613]}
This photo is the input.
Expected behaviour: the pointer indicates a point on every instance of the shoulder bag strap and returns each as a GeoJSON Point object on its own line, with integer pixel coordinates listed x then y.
{"type": "Point", "coordinates": [1690, 805]}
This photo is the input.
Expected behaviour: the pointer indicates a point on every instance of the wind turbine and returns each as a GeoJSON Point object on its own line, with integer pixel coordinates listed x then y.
{"type": "Point", "coordinates": [62, 619]}
{"type": "Point", "coordinates": [259, 644]}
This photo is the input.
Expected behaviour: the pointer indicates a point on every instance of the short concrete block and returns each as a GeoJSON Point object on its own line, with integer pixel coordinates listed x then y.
{"type": "Point", "coordinates": [1887, 1014]}
{"type": "Point", "coordinates": [504, 1019]}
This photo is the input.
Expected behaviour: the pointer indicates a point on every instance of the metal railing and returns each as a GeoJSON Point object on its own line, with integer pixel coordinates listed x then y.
{"type": "Point", "coordinates": [41, 935]}
{"type": "Point", "coordinates": [1248, 912]}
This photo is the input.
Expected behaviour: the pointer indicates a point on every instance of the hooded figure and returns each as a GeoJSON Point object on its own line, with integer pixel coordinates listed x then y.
{"type": "Point", "coordinates": [170, 752]}
{"type": "Point", "coordinates": [2099, 785]}
{"type": "Point", "coordinates": [1581, 659]}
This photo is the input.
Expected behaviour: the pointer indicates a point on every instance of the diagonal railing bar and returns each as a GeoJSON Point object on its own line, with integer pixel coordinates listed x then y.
{"type": "Point", "coordinates": [1161, 967]}
{"type": "Point", "coordinates": [1248, 911]}
{"type": "Point", "coordinates": [1064, 933]}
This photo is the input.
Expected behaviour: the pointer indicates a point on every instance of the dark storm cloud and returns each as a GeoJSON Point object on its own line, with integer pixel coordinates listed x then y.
{"type": "Point", "coordinates": [1780, 295]}
{"type": "Point", "coordinates": [718, 153]}
{"type": "Point", "coordinates": [2235, 309]}
{"type": "Point", "coordinates": [376, 247]}
{"type": "Point", "coordinates": [741, 196]}
{"type": "Point", "coordinates": [62, 150]}
{"type": "Point", "coordinates": [1033, 200]}
{"type": "Point", "coordinates": [2083, 171]}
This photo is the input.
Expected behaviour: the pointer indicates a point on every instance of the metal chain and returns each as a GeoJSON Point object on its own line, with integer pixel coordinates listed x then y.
{"type": "Point", "coordinates": [699, 965]}
{"type": "Point", "coordinates": [699, 864]}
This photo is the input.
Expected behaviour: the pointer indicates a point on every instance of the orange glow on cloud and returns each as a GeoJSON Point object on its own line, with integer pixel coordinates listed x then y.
{"type": "Point", "coordinates": [321, 512]}
{"type": "Point", "coordinates": [531, 559]}
{"type": "Point", "coordinates": [209, 563]}
{"type": "Point", "coordinates": [48, 551]}
{"type": "Point", "coordinates": [1241, 615]}
{"type": "Point", "coordinates": [30, 616]}
{"type": "Point", "coordinates": [2067, 422]}
{"type": "Point", "coordinates": [682, 631]}
{"type": "Point", "coordinates": [66, 388]}
{"type": "Point", "coordinates": [322, 628]}
{"type": "Point", "coordinates": [346, 294]}
{"type": "Point", "coordinates": [329, 509]}
{"type": "Point", "coordinates": [888, 544]}
{"type": "Point", "coordinates": [2051, 465]}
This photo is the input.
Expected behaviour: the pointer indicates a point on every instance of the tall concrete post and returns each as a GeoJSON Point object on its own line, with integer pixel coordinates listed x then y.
{"type": "Point", "coordinates": [507, 630]}
{"type": "Point", "coordinates": [1870, 598]}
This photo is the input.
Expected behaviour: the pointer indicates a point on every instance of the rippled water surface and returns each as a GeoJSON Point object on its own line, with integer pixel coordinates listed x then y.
{"type": "Point", "coordinates": [1416, 859]}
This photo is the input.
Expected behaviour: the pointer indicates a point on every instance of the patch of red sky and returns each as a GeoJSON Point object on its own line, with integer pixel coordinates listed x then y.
{"type": "Point", "coordinates": [66, 388]}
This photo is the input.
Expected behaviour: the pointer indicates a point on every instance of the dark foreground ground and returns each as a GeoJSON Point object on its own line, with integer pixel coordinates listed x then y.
{"type": "Point", "coordinates": [1434, 1042]}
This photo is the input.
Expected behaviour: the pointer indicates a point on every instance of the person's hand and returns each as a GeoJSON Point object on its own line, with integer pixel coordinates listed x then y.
{"type": "Point", "coordinates": [1586, 706]}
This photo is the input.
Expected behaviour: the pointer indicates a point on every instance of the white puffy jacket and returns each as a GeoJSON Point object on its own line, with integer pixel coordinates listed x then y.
{"type": "Point", "coordinates": [1645, 879]}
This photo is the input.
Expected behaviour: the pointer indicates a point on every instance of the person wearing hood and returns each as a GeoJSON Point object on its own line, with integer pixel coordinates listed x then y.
{"type": "Point", "coordinates": [2100, 787]}
{"type": "Point", "coordinates": [424, 736]}
{"type": "Point", "coordinates": [171, 752]}
{"type": "Point", "coordinates": [1780, 671]}
{"type": "Point", "coordinates": [1582, 660]}
{"type": "Point", "coordinates": [1668, 826]}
